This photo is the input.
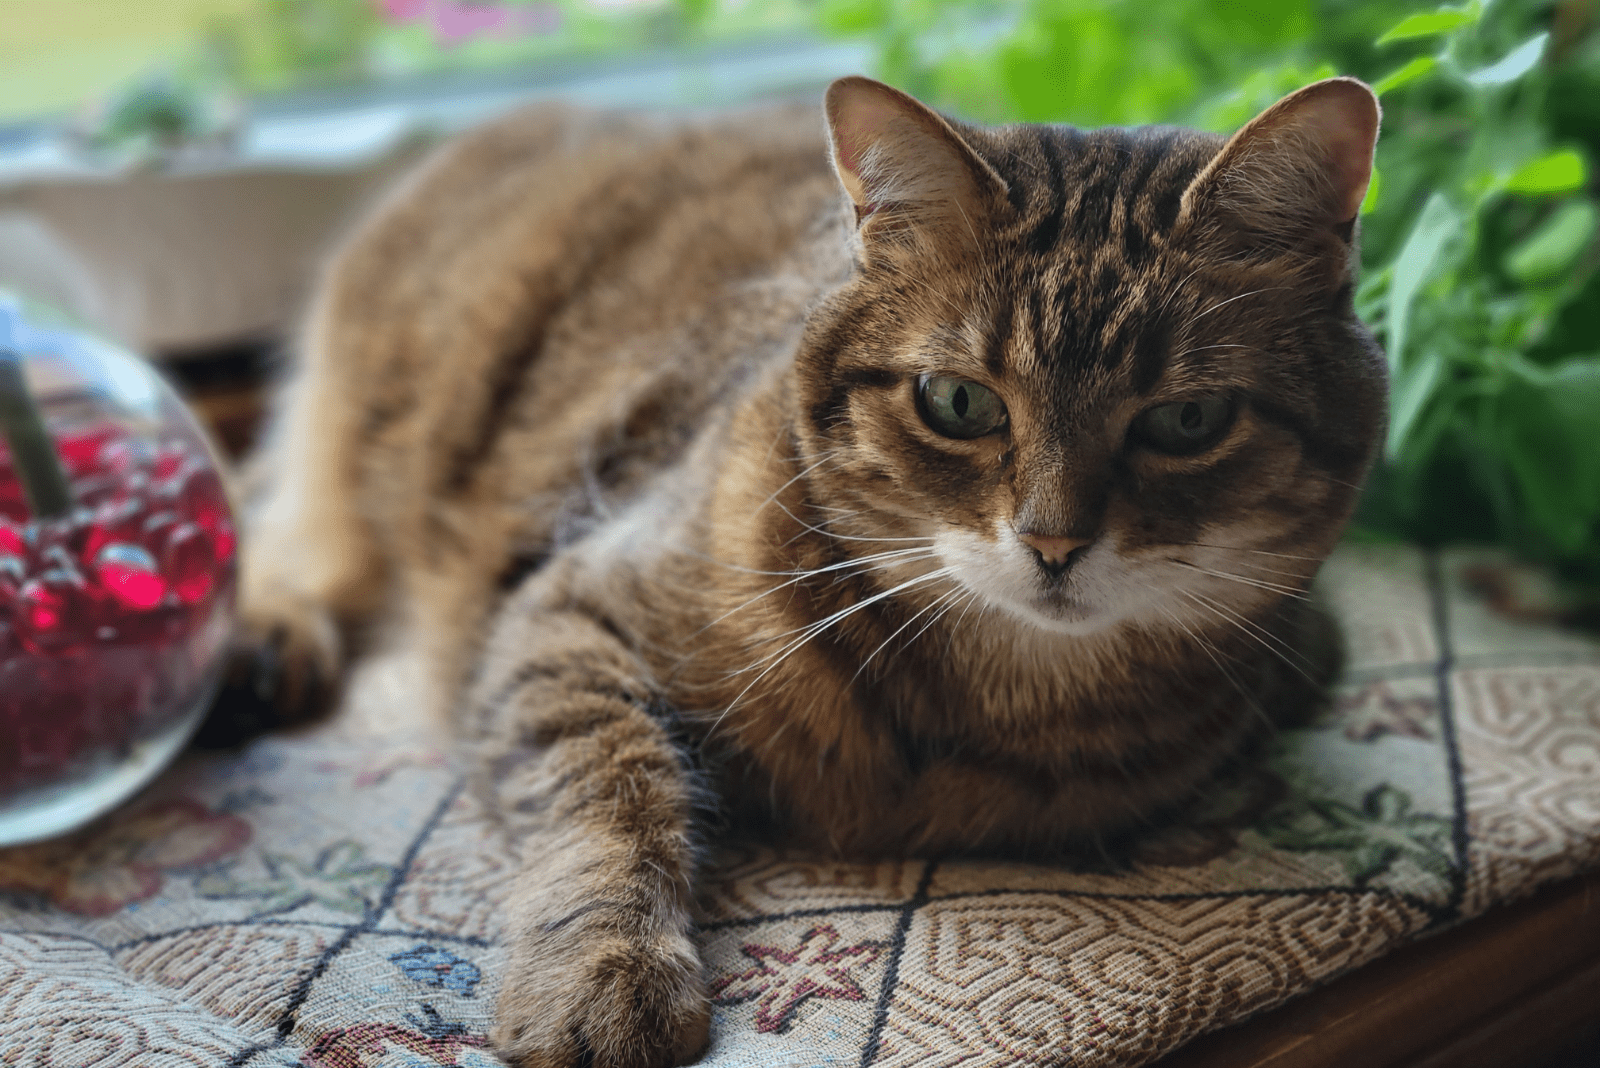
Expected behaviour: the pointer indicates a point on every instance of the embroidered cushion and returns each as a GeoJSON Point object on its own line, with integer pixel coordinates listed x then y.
{"type": "Point", "coordinates": [329, 898]}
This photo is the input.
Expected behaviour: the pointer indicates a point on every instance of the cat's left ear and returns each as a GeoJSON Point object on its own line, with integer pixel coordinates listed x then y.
{"type": "Point", "coordinates": [1298, 169]}
{"type": "Point", "coordinates": [914, 181]}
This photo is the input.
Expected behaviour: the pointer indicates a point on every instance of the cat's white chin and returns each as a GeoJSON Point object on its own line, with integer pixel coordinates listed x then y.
{"type": "Point", "coordinates": [1070, 623]}
{"type": "Point", "coordinates": [1065, 616]}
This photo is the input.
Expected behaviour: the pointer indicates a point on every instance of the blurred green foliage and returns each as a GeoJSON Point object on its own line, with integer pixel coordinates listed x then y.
{"type": "Point", "coordinates": [274, 44]}
{"type": "Point", "coordinates": [1480, 258]}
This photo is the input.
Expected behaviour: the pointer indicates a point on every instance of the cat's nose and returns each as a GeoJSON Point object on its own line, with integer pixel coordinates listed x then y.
{"type": "Point", "coordinates": [1054, 553]}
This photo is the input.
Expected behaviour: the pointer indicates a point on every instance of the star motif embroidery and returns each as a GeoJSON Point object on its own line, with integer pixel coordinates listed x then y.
{"type": "Point", "coordinates": [784, 979]}
{"type": "Point", "coordinates": [340, 878]}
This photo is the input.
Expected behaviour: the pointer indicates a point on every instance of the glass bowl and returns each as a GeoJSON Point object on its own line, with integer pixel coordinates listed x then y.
{"type": "Point", "coordinates": [117, 574]}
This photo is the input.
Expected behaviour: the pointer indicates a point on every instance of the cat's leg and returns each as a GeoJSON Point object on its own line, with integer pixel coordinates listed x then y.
{"type": "Point", "coordinates": [310, 569]}
{"type": "Point", "coordinates": [576, 760]}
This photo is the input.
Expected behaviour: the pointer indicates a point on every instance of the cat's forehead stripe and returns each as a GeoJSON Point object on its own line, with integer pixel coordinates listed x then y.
{"type": "Point", "coordinates": [1085, 251]}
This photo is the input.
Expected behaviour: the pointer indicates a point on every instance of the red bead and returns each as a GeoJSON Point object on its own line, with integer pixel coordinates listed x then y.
{"type": "Point", "coordinates": [124, 456]}
{"type": "Point", "coordinates": [224, 541]}
{"type": "Point", "coordinates": [13, 573]}
{"type": "Point", "coordinates": [154, 530]}
{"type": "Point", "coordinates": [128, 574]}
{"type": "Point", "coordinates": [80, 451]}
{"type": "Point", "coordinates": [12, 505]}
{"type": "Point", "coordinates": [170, 459]}
{"type": "Point", "coordinates": [205, 502]}
{"type": "Point", "coordinates": [114, 521]}
{"type": "Point", "coordinates": [187, 561]}
{"type": "Point", "coordinates": [12, 542]}
{"type": "Point", "coordinates": [54, 613]}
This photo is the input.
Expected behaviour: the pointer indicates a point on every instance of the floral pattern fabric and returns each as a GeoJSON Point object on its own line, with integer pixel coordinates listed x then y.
{"type": "Point", "coordinates": [330, 899]}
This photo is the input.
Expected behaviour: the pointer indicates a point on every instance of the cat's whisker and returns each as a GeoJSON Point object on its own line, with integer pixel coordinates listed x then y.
{"type": "Point", "coordinates": [1175, 290]}
{"type": "Point", "coordinates": [966, 598]}
{"type": "Point", "coordinates": [1215, 656]}
{"type": "Point", "coordinates": [792, 573]}
{"type": "Point", "coordinates": [1252, 565]}
{"type": "Point", "coordinates": [818, 628]}
{"type": "Point", "coordinates": [1206, 348]}
{"type": "Point", "coordinates": [865, 563]}
{"type": "Point", "coordinates": [1247, 549]}
{"type": "Point", "coordinates": [1300, 575]}
{"type": "Point", "coordinates": [1260, 584]}
{"type": "Point", "coordinates": [847, 537]}
{"type": "Point", "coordinates": [1346, 483]}
{"type": "Point", "coordinates": [797, 630]}
{"type": "Point", "coordinates": [949, 645]}
{"type": "Point", "coordinates": [1230, 300]}
{"type": "Point", "coordinates": [830, 454]}
{"type": "Point", "coordinates": [902, 628]}
{"type": "Point", "coordinates": [1284, 650]}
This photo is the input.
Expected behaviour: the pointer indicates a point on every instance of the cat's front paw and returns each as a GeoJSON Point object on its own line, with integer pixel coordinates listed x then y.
{"type": "Point", "coordinates": [600, 997]}
{"type": "Point", "coordinates": [283, 668]}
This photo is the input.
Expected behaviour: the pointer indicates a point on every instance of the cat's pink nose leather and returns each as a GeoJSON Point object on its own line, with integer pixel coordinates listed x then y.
{"type": "Point", "coordinates": [1053, 550]}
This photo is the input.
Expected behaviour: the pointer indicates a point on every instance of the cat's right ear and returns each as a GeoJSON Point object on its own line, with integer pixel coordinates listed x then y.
{"type": "Point", "coordinates": [1297, 171]}
{"type": "Point", "coordinates": [913, 180]}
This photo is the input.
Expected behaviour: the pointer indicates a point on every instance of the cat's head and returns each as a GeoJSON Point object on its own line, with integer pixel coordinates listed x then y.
{"type": "Point", "coordinates": [1103, 376]}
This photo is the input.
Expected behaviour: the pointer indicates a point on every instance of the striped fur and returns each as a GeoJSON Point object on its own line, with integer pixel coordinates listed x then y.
{"type": "Point", "coordinates": [621, 417]}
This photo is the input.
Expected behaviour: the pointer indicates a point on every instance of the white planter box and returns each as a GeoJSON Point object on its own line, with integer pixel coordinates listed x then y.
{"type": "Point", "coordinates": [175, 262]}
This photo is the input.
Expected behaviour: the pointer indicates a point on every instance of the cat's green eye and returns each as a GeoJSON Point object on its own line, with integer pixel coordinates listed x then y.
{"type": "Point", "coordinates": [1185, 426]}
{"type": "Point", "coordinates": [958, 408]}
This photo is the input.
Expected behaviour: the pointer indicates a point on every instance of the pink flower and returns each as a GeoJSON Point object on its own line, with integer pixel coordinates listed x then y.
{"type": "Point", "coordinates": [454, 21]}
{"type": "Point", "coordinates": [404, 10]}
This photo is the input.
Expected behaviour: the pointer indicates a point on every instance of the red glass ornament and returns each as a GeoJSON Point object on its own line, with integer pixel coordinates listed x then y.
{"type": "Point", "coordinates": [115, 601]}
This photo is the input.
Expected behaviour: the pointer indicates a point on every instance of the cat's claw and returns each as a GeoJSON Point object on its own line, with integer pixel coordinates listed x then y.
{"type": "Point", "coordinates": [574, 998]}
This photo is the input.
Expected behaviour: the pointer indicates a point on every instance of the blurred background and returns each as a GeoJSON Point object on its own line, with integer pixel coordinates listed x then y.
{"type": "Point", "coordinates": [170, 170]}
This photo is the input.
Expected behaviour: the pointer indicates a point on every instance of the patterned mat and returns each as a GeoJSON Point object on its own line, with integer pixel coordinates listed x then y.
{"type": "Point", "coordinates": [329, 899]}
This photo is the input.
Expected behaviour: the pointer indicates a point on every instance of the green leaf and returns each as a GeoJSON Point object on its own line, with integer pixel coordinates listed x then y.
{"type": "Point", "coordinates": [1409, 73]}
{"type": "Point", "coordinates": [696, 11]}
{"type": "Point", "coordinates": [1546, 427]}
{"type": "Point", "coordinates": [848, 17]}
{"type": "Point", "coordinates": [1413, 386]}
{"type": "Point", "coordinates": [1417, 259]}
{"type": "Point", "coordinates": [1562, 171]}
{"type": "Point", "coordinates": [1518, 62]}
{"type": "Point", "coordinates": [1432, 23]}
{"type": "Point", "coordinates": [1553, 247]}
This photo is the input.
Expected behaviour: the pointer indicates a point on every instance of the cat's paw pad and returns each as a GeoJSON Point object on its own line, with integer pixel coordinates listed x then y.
{"type": "Point", "coordinates": [609, 1002]}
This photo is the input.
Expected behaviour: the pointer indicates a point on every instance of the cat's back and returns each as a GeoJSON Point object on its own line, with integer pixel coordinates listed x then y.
{"type": "Point", "coordinates": [555, 218]}
{"type": "Point", "coordinates": [555, 303]}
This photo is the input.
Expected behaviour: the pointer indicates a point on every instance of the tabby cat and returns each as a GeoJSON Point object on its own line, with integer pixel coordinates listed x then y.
{"type": "Point", "coordinates": [971, 510]}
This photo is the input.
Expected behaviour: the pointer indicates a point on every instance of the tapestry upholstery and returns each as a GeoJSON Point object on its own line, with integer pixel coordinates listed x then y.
{"type": "Point", "coordinates": [329, 898]}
